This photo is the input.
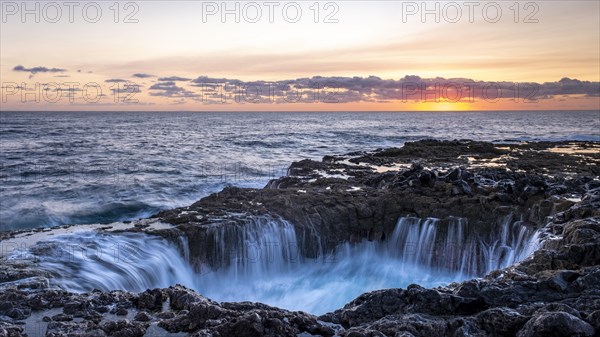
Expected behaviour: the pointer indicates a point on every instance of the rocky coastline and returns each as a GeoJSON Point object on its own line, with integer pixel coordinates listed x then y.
{"type": "Point", "coordinates": [551, 187]}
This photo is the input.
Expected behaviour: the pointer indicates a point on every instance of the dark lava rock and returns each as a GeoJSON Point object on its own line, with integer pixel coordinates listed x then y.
{"type": "Point", "coordinates": [454, 175]}
{"type": "Point", "coordinates": [120, 311]}
{"type": "Point", "coordinates": [501, 321]}
{"type": "Point", "coordinates": [150, 299]}
{"type": "Point", "coordinates": [10, 330]}
{"type": "Point", "coordinates": [594, 320]}
{"type": "Point", "coordinates": [123, 328]}
{"type": "Point", "coordinates": [62, 318]}
{"type": "Point", "coordinates": [143, 317]}
{"type": "Point", "coordinates": [556, 324]}
{"type": "Point", "coordinates": [74, 308]}
{"type": "Point", "coordinates": [198, 313]}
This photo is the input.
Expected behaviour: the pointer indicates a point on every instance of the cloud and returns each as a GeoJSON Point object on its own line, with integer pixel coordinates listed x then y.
{"type": "Point", "coordinates": [39, 69]}
{"type": "Point", "coordinates": [174, 78]}
{"type": "Point", "coordinates": [567, 86]}
{"type": "Point", "coordinates": [340, 89]}
{"type": "Point", "coordinates": [141, 75]}
{"type": "Point", "coordinates": [116, 80]}
{"type": "Point", "coordinates": [128, 88]}
{"type": "Point", "coordinates": [206, 79]}
{"type": "Point", "coordinates": [170, 89]}
{"type": "Point", "coordinates": [63, 89]}
{"type": "Point", "coordinates": [127, 93]}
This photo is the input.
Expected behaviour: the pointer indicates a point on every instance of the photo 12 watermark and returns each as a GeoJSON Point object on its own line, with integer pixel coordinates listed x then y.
{"type": "Point", "coordinates": [270, 11]}
{"type": "Point", "coordinates": [70, 92]}
{"type": "Point", "coordinates": [69, 11]}
{"type": "Point", "coordinates": [470, 11]}
{"type": "Point", "coordinates": [233, 92]}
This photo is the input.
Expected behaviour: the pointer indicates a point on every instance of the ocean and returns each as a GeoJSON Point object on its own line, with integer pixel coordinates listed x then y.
{"type": "Point", "coordinates": [99, 167]}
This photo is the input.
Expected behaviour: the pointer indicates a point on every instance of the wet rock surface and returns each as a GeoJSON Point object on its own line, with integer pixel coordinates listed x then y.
{"type": "Point", "coordinates": [552, 186]}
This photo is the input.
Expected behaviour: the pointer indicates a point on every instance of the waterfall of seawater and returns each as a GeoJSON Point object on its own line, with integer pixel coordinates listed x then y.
{"type": "Point", "coordinates": [261, 261]}
{"type": "Point", "coordinates": [134, 262]}
{"type": "Point", "coordinates": [454, 247]}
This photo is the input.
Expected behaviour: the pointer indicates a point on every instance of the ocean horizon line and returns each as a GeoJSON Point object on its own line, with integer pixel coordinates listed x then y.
{"type": "Point", "coordinates": [300, 111]}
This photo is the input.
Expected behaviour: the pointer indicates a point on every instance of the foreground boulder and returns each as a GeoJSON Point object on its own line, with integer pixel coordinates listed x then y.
{"type": "Point", "coordinates": [550, 324]}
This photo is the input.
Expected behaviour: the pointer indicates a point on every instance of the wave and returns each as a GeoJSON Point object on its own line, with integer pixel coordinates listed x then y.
{"type": "Point", "coordinates": [63, 212]}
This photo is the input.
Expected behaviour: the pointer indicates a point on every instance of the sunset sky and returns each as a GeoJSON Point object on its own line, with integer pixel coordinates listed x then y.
{"type": "Point", "coordinates": [379, 55]}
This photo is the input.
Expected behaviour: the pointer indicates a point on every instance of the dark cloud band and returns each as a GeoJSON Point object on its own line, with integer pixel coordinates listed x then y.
{"type": "Point", "coordinates": [39, 69]}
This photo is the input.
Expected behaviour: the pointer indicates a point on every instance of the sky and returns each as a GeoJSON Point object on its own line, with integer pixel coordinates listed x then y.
{"type": "Point", "coordinates": [300, 56]}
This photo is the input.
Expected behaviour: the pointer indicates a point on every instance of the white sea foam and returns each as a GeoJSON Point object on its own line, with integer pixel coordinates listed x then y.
{"type": "Point", "coordinates": [262, 261]}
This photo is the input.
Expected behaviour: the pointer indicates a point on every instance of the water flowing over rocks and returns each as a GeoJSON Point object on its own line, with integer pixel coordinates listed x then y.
{"type": "Point", "coordinates": [473, 207]}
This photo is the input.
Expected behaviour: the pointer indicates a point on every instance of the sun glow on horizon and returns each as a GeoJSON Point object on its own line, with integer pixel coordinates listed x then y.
{"type": "Point", "coordinates": [442, 106]}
